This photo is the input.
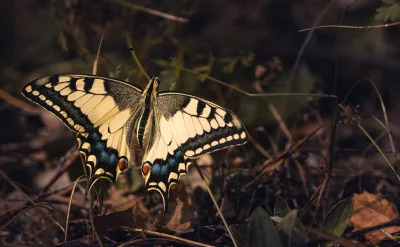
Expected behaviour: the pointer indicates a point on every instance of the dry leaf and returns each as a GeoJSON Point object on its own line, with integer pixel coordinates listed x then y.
{"type": "Point", "coordinates": [371, 210]}
{"type": "Point", "coordinates": [181, 220]}
{"type": "Point", "coordinates": [132, 217]}
{"type": "Point", "coordinates": [119, 202]}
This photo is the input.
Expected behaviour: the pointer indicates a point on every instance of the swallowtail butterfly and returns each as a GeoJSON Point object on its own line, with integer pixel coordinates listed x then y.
{"type": "Point", "coordinates": [172, 128]}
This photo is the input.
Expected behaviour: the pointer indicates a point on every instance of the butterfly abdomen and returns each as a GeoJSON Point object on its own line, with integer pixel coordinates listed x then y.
{"type": "Point", "coordinates": [144, 119]}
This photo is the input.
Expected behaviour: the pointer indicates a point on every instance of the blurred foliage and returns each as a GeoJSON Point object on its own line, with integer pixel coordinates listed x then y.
{"type": "Point", "coordinates": [390, 12]}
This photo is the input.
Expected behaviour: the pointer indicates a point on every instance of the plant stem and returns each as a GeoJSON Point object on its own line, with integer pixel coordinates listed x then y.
{"type": "Point", "coordinates": [379, 149]}
{"type": "Point", "coordinates": [216, 204]}
{"type": "Point", "coordinates": [135, 57]}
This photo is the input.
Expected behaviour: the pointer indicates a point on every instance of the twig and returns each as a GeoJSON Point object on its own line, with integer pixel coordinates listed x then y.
{"type": "Point", "coordinates": [323, 235]}
{"type": "Point", "coordinates": [159, 234]}
{"type": "Point", "coordinates": [67, 160]}
{"type": "Point", "coordinates": [18, 103]}
{"type": "Point", "coordinates": [286, 153]}
{"type": "Point", "coordinates": [65, 200]}
{"type": "Point", "coordinates": [352, 27]}
{"type": "Point", "coordinates": [2, 227]}
{"type": "Point", "coordinates": [149, 11]}
{"type": "Point", "coordinates": [215, 203]}
{"type": "Point", "coordinates": [253, 94]}
{"type": "Point", "coordinates": [259, 147]}
{"type": "Point", "coordinates": [2, 174]}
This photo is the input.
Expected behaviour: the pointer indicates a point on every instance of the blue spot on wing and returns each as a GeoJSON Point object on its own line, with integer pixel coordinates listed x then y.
{"type": "Point", "coordinates": [164, 170]}
{"type": "Point", "coordinates": [171, 161]}
{"type": "Point", "coordinates": [156, 169]}
{"type": "Point", "coordinates": [107, 158]}
{"type": "Point", "coordinates": [160, 171]}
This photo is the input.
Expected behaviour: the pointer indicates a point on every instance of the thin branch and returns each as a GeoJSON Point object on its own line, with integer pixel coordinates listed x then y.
{"type": "Point", "coordinates": [253, 94]}
{"type": "Point", "coordinates": [67, 160]}
{"type": "Point", "coordinates": [149, 11]}
{"type": "Point", "coordinates": [352, 27]}
{"type": "Point", "coordinates": [11, 182]}
{"type": "Point", "coordinates": [159, 234]}
{"type": "Point", "coordinates": [18, 103]}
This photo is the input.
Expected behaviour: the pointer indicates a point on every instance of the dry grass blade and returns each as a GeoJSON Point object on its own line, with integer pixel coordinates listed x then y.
{"type": "Point", "coordinates": [288, 151]}
{"type": "Point", "coordinates": [69, 205]}
{"type": "Point", "coordinates": [19, 214]}
{"type": "Point", "coordinates": [135, 57]}
{"type": "Point", "coordinates": [2, 174]}
{"type": "Point", "coordinates": [65, 200]}
{"type": "Point", "coordinates": [253, 94]}
{"type": "Point", "coordinates": [215, 203]}
{"type": "Point", "coordinates": [67, 160]}
{"type": "Point", "coordinates": [352, 27]}
{"type": "Point", "coordinates": [149, 11]}
{"type": "Point", "coordinates": [168, 236]}
{"type": "Point", "coordinates": [96, 60]}
{"type": "Point", "coordinates": [383, 107]}
{"type": "Point", "coordinates": [259, 147]}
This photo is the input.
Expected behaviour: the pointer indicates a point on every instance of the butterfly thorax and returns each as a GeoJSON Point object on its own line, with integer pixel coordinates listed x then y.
{"type": "Point", "coordinates": [146, 119]}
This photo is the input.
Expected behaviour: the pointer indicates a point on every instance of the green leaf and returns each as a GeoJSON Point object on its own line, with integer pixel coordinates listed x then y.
{"type": "Point", "coordinates": [292, 231]}
{"type": "Point", "coordinates": [388, 13]}
{"type": "Point", "coordinates": [338, 218]}
{"type": "Point", "coordinates": [262, 232]}
{"type": "Point", "coordinates": [240, 233]}
{"type": "Point", "coordinates": [285, 227]}
{"type": "Point", "coordinates": [281, 208]}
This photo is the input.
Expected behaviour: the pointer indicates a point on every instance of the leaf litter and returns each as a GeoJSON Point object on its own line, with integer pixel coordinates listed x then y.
{"type": "Point", "coordinates": [372, 210]}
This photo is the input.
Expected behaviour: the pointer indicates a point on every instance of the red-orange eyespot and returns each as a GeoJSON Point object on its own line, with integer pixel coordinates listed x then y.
{"type": "Point", "coordinates": [146, 169]}
{"type": "Point", "coordinates": [122, 164]}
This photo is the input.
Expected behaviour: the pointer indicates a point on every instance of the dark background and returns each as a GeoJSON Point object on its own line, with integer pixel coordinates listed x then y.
{"type": "Point", "coordinates": [252, 45]}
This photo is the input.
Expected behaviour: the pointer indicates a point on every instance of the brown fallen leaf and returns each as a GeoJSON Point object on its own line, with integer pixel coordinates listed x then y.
{"type": "Point", "coordinates": [180, 220]}
{"type": "Point", "coordinates": [132, 217]}
{"type": "Point", "coordinates": [371, 210]}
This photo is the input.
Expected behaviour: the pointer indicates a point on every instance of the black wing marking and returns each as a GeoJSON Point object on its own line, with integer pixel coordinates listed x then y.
{"type": "Point", "coordinates": [82, 102]}
{"type": "Point", "coordinates": [102, 111]}
{"type": "Point", "coordinates": [186, 127]}
{"type": "Point", "coordinates": [198, 126]}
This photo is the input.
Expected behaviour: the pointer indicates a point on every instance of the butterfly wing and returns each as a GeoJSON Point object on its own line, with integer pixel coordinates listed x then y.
{"type": "Point", "coordinates": [186, 127]}
{"type": "Point", "coordinates": [101, 110]}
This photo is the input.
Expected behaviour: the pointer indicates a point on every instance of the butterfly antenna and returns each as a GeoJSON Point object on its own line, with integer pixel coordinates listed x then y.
{"type": "Point", "coordinates": [169, 61]}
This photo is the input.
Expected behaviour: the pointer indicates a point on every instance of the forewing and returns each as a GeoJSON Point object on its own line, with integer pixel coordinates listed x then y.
{"type": "Point", "coordinates": [101, 110]}
{"type": "Point", "coordinates": [198, 126]}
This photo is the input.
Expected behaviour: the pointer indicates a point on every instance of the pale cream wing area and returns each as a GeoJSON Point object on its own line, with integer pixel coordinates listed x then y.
{"type": "Point", "coordinates": [186, 127]}
{"type": "Point", "coordinates": [101, 110]}
{"type": "Point", "coordinates": [197, 126]}
{"type": "Point", "coordinates": [83, 102]}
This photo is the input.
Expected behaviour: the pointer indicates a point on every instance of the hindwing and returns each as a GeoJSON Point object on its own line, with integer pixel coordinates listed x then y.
{"type": "Point", "coordinates": [101, 110]}
{"type": "Point", "coordinates": [186, 127]}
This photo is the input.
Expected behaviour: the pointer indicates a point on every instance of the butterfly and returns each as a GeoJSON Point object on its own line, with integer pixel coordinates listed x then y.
{"type": "Point", "coordinates": [107, 114]}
